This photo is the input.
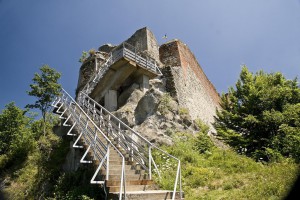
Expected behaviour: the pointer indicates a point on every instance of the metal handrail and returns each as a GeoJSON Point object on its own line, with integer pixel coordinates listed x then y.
{"type": "Point", "coordinates": [67, 101]}
{"type": "Point", "coordinates": [94, 79]}
{"type": "Point", "coordinates": [99, 112]}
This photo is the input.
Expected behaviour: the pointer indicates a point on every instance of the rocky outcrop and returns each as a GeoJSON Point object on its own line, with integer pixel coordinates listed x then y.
{"type": "Point", "coordinates": [155, 114]}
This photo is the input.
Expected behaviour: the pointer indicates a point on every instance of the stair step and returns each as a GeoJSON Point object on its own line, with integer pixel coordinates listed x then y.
{"type": "Point", "coordinates": [110, 183]}
{"type": "Point", "coordinates": [114, 162]}
{"type": "Point", "coordinates": [128, 177]}
{"type": "Point", "coordinates": [128, 188]}
{"type": "Point", "coordinates": [119, 167]}
{"type": "Point", "coordinates": [119, 171]}
{"type": "Point", "coordinates": [147, 195]}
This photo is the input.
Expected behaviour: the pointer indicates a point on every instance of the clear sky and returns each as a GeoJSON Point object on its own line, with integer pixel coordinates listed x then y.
{"type": "Point", "coordinates": [223, 35]}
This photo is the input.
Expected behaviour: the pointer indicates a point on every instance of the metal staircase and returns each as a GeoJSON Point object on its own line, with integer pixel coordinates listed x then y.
{"type": "Point", "coordinates": [127, 51]}
{"type": "Point", "coordinates": [124, 160]}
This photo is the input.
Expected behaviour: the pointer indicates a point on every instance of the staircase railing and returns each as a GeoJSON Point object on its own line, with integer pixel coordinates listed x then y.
{"type": "Point", "coordinates": [88, 88]}
{"type": "Point", "coordinates": [123, 50]}
{"type": "Point", "coordinates": [134, 146]}
{"type": "Point", "coordinates": [91, 135]}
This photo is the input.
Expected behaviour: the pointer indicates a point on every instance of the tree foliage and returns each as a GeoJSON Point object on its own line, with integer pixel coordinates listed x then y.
{"type": "Point", "coordinates": [45, 88]}
{"type": "Point", "coordinates": [261, 116]}
{"type": "Point", "coordinates": [16, 138]}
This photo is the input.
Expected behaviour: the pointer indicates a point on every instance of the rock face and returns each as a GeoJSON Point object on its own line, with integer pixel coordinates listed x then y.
{"type": "Point", "coordinates": [154, 114]}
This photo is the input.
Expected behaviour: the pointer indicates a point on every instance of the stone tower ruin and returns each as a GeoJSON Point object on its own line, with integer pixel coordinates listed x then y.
{"type": "Point", "coordinates": [173, 62]}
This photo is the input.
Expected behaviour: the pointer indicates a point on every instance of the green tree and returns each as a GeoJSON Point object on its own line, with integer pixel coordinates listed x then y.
{"type": "Point", "coordinates": [16, 138]}
{"type": "Point", "coordinates": [260, 117]}
{"type": "Point", "coordinates": [45, 88]}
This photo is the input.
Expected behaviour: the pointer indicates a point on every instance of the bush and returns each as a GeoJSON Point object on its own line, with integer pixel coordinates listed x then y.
{"type": "Point", "coordinates": [260, 117]}
{"type": "Point", "coordinates": [203, 143]}
{"type": "Point", "coordinates": [83, 57]}
{"type": "Point", "coordinates": [164, 104]}
{"type": "Point", "coordinates": [92, 52]}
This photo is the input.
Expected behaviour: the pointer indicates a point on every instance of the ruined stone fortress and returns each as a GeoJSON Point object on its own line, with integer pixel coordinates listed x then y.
{"type": "Point", "coordinates": [172, 63]}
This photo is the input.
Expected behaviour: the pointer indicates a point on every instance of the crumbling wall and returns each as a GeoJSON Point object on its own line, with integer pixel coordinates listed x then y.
{"type": "Point", "coordinates": [145, 42]}
{"type": "Point", "coordinates": [89, 68]}
{"type": "Point", "coordinates": [185, 80]}
{"type": "Point", "coordinates": [86, 70]}
{"type": "Point", "coordinates": [193, 89]}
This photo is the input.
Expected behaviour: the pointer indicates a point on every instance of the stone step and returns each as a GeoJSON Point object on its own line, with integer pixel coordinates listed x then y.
{"type": "Point", "coordinates": [146, 195]}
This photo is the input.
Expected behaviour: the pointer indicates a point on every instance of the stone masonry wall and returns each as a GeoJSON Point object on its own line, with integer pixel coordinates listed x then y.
{"type": "Point", "coordinates": [145, 42]}
{"type": "Point", "coordinates": [188, 60]}
{"type": "Point", "coordinates": [88, 69]}
{"type": "Point", "coordinates": [193, 89]}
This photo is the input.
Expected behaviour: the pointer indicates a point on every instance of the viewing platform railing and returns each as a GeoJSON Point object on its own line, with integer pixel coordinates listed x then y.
{"type": "Point", "coordinates": [124, 50]}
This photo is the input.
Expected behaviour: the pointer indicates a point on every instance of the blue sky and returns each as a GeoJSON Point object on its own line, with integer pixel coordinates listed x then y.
{"type": "Point", "coordinates": [223, 35]}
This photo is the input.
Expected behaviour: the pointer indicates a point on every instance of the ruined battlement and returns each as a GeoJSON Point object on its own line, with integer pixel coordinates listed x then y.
{"type": "Point", "coordinates": [176, 53]}
{"type": "Point", "coordinates": [185, 79]}
{"type": "Point", "coordinates": [188, 82]}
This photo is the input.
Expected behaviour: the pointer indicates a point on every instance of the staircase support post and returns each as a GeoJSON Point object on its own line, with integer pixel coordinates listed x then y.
{"type": "Point", "coordinates": [150, 159]}
{"type": "Point", "coordinates": [110, 100]}
{"type": "Point", "coordinates": [107, 163]}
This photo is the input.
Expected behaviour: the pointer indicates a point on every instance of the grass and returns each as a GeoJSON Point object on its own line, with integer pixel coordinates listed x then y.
{"type": "Point", "coordinates": [213, 174]}
{"type": "Point", "coordinates": [224, 174]}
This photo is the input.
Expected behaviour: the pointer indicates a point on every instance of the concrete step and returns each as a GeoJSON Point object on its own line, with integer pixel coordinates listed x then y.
{"type": "Point", "coordinates": [119, 167]}
{"type": "Point", "coordinates": [119, 171]}
{"type": "Point", "coordinates": [114, 162]}
{"type": "Point", "coordinates": [146, 195]}
{"type": "Point", "coordinates": [129, 188]}
{"type": "Point", "coordinates": [128, 177]}
{"type": "Point", "coordinates": [110, 183]}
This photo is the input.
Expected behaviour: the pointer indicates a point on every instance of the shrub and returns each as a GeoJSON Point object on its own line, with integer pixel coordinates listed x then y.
{"type": "Point", "coordinates": [92, 52]}
{"type": "Point", "coordinates": [83, 57]}
{"type": "Point", "coordinates": [164, 104]}
{"type": "Point", "coordinates": [183, 111]}
{"type": "Point", "coordinates": [203, 143]}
